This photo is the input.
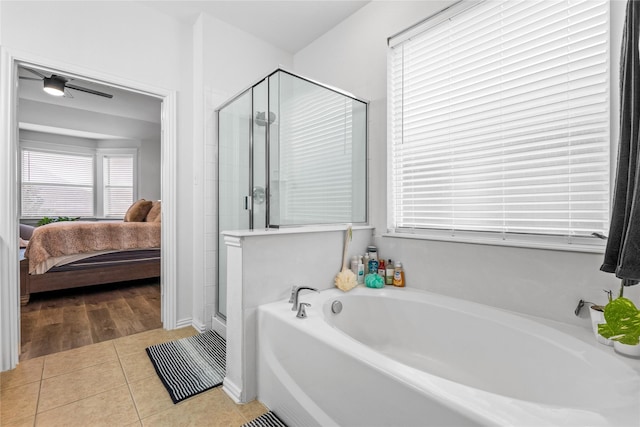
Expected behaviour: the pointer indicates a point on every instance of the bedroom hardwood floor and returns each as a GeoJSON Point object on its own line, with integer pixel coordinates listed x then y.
{"type": "Point", "coordinates": [62, 320]}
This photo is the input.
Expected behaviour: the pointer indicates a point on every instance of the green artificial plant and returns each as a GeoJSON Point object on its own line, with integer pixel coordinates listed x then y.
{"type": "Point", "coordinates": [623, 322]}
{"type": "Point", "coordinates": [47, 220]}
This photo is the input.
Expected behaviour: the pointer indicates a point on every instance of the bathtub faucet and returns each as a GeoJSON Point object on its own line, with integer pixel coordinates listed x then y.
{"type": "Point", "coordinates": [294, 307]}
{"type": "Point", "coordinates": [294, 288]}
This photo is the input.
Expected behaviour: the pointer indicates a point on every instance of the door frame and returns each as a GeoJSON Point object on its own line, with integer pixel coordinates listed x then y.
{"type": "Point", "coordinates": [9, 153]}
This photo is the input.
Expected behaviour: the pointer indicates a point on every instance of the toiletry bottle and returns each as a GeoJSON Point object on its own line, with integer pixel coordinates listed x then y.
{"type": "Point", "coordinates": [373, 266]}
{"type": "Point", "coordinates": [373, 253]}
{"type": "Point", "coordinates": [360, 271]}
{"type": "Point", "coordinates": [388, 278]}
{"type": "Point", "coordinates": [366, 263]}
{"type": "Point", "coordinates": [381, 268]}
{"type": "Point", "coordinates": [354, 264]}
{"type": "Point", "coordinates": [398, 275]}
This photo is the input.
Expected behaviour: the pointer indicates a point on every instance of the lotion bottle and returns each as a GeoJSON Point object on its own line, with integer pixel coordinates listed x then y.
{"type": "Point", "coordinates": [360, 271]}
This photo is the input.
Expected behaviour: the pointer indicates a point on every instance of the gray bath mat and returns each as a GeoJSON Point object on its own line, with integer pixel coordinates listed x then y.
{"type": "Point", "coordinates": [189, 366]}
{"type": "Point", "coordinates": [266, 420]}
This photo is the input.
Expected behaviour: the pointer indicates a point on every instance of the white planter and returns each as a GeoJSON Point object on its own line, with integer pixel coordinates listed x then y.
{"type": "Point", "coordinates": [597, 317]}
{"type": "Point", "coordinates": [627, 350]}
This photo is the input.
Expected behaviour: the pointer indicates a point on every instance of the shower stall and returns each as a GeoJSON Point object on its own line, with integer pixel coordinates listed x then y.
{"type": "Point", "coordinates": [291, 152]}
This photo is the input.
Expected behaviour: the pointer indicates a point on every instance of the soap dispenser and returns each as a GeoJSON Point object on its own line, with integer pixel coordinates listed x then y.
{"type": "Point", "coordinates": [398, 275]}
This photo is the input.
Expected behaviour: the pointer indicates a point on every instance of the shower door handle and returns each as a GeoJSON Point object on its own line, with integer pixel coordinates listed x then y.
{"type": "Point", "coordinates": [258, 195]}
{"type": "Point", "coordinates": [247, 203]}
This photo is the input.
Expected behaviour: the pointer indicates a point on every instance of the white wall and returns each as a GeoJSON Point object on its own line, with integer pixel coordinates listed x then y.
{"type": "Point", "coordinates": [230, 60]}
{"type": "Point", "coordinates": [352, 56]}
{"type": "Point", "coordinates": [130, 42]}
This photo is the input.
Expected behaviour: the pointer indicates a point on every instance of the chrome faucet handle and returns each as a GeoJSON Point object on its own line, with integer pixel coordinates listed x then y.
{"type": "Point", "coordinates": [302, 312]}
{"type": "Point", "coordinates": [294, 288]}
{"type": "Point", "coordinates": [294, 307]}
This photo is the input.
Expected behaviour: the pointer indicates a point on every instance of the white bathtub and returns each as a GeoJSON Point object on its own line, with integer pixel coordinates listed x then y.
{"type": "Point", "coordinates": [398, 357]}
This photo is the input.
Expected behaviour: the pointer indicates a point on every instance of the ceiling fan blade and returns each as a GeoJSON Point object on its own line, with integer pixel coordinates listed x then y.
{"type": "Point", "coordinates": [37, 73]}
{"type": "Point", "coordinates": [29, 78]}
{"type": "Point", "coordinates": [87, 90]}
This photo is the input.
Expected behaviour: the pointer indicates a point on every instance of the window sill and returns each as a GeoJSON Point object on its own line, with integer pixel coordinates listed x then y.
{"type": "Point", "coordinates": [597, 248]}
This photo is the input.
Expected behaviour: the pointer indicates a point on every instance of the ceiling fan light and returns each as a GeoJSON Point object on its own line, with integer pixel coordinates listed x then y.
{"type": "Point", "coordinates": [54, 86]}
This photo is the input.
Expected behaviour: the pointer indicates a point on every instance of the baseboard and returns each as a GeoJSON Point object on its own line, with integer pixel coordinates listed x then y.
{"type": "Point", "coordinates": [198, 326]}
{"type": "Point", "coordinates": [232, 390]}
{"type": "Point", "coordinates": [219, 326]}
{"type": "Point", "coordinates": [183, 323]}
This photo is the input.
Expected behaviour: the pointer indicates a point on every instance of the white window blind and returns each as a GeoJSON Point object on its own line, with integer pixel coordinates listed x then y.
{"type": "Point", "coordinates": [117, 184]}
{"type": "Point", "coordinates": [56, 184]}
{"type": "Point", "coordinates": [499, 120]}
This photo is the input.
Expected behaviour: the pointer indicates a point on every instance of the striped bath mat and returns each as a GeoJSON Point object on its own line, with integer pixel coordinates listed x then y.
{"type": "Point", "coordinates": [189, 366]}
{"type": "Point", "coordinates": [266, 420]}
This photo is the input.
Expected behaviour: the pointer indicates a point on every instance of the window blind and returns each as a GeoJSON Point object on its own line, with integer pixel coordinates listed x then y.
{"type": "Point", "coordinates": [499, 120]}
{"type": "Point", "coordinates": [56, 184]}
{"type": "Point", "coordinates": [117, 185]}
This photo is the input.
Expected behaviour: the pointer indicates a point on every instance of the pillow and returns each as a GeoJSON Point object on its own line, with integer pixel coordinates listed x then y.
{"type": "Point", "coordinates": [154, 213]}
{"type": "Point", "coordinates": [26, 231]}
{"type": "Point", "coordinates": [138, 211]}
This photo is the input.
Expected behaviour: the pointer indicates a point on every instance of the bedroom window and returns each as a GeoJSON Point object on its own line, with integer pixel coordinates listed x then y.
{"type": "Point", "coordinates": [56, 184]}
{"type": "Point", "coordinates": [118, 184]}
{"type": "Point", "coordinates": [499, 123]}
{"type": "Point", "coordinates": [73, 181]}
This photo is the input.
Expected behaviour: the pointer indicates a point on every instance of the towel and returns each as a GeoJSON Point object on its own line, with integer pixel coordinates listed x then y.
{"type": "Point", "coordinates": [622, 255]}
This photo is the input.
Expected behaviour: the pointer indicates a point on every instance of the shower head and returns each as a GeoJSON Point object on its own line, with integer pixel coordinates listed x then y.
{"type": "Point", "coordinates": [261, 118]}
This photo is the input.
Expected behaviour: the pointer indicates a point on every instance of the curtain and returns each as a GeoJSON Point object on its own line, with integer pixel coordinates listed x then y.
{"type": "Point", "coordinates": [622, 255]}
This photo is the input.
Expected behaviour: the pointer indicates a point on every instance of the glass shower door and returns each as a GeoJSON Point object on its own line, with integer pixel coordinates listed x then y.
{"type": "Point", "coordinates": [262, 119]}
{"type": "Point", "coordinates": [235, 129]}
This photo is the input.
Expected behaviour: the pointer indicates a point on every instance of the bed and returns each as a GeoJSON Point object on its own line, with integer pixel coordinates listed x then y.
{"type": "Point", "coordinates": [68, 255]}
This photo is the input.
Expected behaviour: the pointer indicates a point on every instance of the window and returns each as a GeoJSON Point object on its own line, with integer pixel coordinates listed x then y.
{"type": "Point", "coordinates": [117, 184]}
{"type": "Point", "coordinates": [499, 121]}
{"type": "Point", "coordinates": [57, 184]}
{"type": "Point", "coordinates": [60, 180]}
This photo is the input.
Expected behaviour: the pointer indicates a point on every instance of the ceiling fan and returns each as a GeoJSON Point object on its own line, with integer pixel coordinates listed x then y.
{"type": "Point", "coordinates": [57, 85]}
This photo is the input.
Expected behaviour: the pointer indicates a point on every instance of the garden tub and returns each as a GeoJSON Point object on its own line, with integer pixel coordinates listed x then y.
{"type": "Point", "coordinates": [402, 357]}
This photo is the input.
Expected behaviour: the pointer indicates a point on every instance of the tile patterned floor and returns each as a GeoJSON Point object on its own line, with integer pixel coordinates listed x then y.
{"type": "Point", "coordinates": [111, 383]}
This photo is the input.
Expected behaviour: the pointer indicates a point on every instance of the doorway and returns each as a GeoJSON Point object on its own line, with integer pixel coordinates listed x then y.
{"type": "Point", "coordinates": [87, 151]}
{"type": "Point", "coordinates": [9, 256]}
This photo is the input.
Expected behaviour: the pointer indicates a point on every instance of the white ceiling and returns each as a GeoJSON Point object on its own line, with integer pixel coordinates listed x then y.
{"type": "Point", "coordinates": [290, 25]}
